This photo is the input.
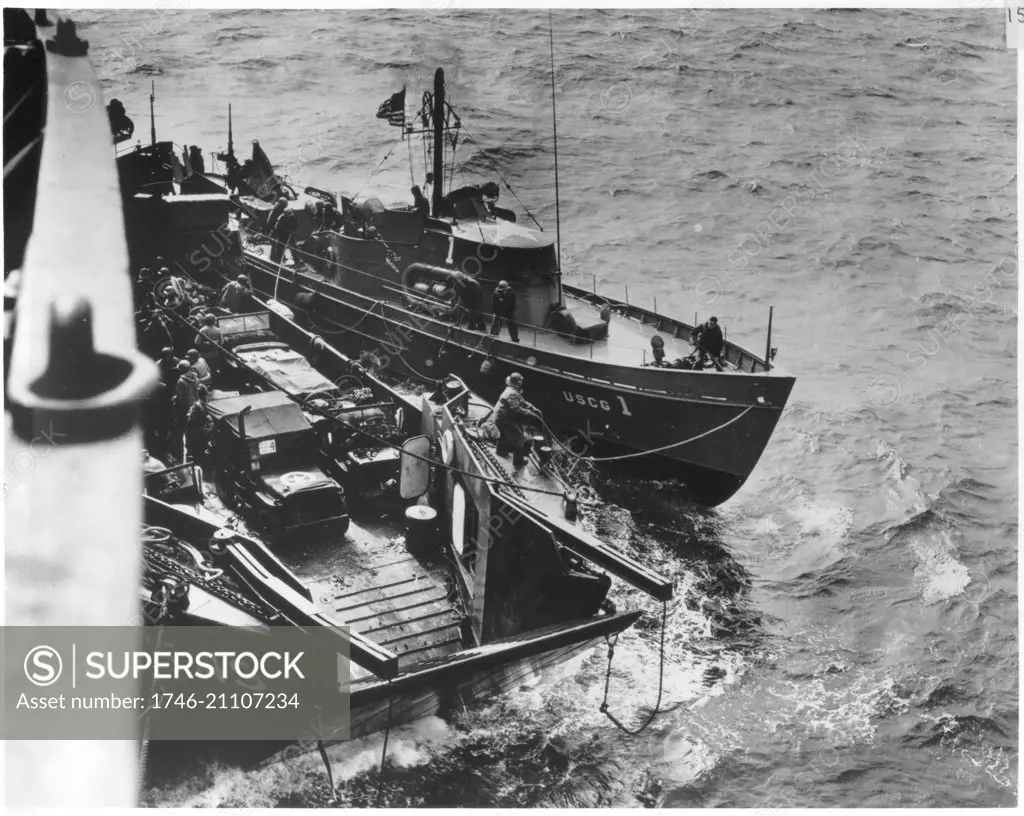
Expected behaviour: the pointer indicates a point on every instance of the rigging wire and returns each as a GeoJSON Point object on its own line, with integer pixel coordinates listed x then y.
{"type": "Point", "coordinates": [376, 169]}
{"type": "Point", "coordinates": [504, 180]}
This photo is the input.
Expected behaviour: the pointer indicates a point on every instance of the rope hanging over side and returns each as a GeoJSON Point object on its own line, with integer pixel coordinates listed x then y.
{"type": "Point", "coordinates": [633, 732]}
{"type": "Point", "coordinates": [327, 767]}
{"type": "Point", "coordinates": [717, 428]}
{"type": "Point", "coordinates": [384, 750]}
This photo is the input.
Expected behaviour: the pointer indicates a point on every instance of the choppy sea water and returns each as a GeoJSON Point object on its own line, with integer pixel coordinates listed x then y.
{"type": "Point", "coordinates": [845, 630]}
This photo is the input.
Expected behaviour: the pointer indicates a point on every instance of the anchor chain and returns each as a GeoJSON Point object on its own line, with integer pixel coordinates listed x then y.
{"type": "Point", "coordinates": [484, 449]}
{"type": "Point", "coordinates": [159, 562]}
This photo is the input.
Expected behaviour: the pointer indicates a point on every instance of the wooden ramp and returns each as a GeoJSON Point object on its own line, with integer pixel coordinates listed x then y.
{"type": "Point", "coordinates": [371, 583]}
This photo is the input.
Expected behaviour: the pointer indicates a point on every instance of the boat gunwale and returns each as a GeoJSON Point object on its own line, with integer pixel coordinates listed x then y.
{"type": "Point", "coordinates": [315, 286]}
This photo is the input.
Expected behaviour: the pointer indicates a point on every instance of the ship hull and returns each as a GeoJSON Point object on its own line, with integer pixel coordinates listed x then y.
{"type": "Point", "coordinates": [706, 429]}
{"type": "Point", "coordinates": [432, 692]}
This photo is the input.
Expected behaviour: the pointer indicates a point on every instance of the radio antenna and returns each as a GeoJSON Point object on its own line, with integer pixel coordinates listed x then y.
{"type": "Point", "coordinates": [554, 128]}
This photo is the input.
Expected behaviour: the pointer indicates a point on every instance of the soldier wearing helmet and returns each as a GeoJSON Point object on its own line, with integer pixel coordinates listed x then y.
{"type": "Point", "coordinates": [236, 295]}
{"type": "Point", "coordinates": [510, 413]}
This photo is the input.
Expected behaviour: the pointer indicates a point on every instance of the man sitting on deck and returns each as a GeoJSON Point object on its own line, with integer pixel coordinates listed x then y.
{"type": "Point", "coordinates": [510, 412]}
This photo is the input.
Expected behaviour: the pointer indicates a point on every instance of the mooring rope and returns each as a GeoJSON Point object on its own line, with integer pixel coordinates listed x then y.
{"type": "Point", "coordinates": [384, 750]}
{"type": "Point", "coordinates": [661, 682]}
{"type": "Point", "coordinates": [636, 454]}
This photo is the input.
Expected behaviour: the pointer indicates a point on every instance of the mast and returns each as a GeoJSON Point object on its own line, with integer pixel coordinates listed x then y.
{"type": "Point", "coordinates": [438, 191]}
{"type": "Point", "coordinates": [231, 140]}
{"type": "Point", "coordinates": [152, 116]}
{"type": "Point", "coordinates": [554, 128]}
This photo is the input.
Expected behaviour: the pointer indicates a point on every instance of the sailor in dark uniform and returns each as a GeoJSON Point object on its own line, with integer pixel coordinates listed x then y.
{"type": "Point", "coordinates": [710, 344]}
{"type": "Point", "coordinates": [196, 160]}
{"type": "Point", "coordinates": [503, 305]}
{"type": "Point", "coordinates": [283, 231]}
{"type": "Point", "coordinates": [420, 201]}
{"type": "Point", "coordinates": [510, 412]}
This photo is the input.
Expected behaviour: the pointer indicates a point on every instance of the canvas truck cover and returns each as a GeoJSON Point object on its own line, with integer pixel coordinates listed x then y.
{"type": "Point", "coordinates": [273, 414]}
{"type": "Point", "coordinates": [287, 370]}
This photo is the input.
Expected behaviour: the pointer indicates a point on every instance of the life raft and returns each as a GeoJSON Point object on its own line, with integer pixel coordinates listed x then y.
{"type": "Point", "coordinates": [427, 287]}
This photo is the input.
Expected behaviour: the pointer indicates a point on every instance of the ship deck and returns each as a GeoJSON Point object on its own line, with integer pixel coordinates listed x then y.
{"type": "Point", "coordinates": [368, 580]}
{"type": "Point", "coordinates": [628, 342]}
{"type": "Point", "coordinates": [531, 478]}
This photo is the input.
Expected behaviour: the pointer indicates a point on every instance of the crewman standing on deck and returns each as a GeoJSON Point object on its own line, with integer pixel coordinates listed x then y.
{"type": "Point", "coordinates": [283, 231]}
{"type": "Point", "coordinates": [279, 207]}
{"type": "Point", "coordinates": [510, 412]}
{"type": "Point", "coordinates": [199, 367]}
{"type": "Point", "coordinates": [186, 392]}
{"type": "Point", "coordinates": [198, 429]}
{"type": "Point", "coordinates": [503, 305]}
{"type": "Point", "coordinates": [195, 156]}
{"type": "Point", "coordinates": [209, 339]}
{"type": "Point", "coordinates": [236, 295]}
{"type": "Point", "coordinates": [710, 343]}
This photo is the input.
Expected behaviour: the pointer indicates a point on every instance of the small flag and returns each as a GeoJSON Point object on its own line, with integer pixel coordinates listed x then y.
{"type": "Point", "coordinates": [393, 109]}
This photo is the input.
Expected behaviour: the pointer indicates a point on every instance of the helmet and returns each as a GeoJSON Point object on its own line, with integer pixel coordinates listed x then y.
{"type": "Point", "coordinates": [503, 284]}
{"type": "Point", "coordinates": [166, 350]}
{"type": "Point", "coordinates": [192, 354]}
{"type": "Point", "coordinates": [184, 366]}
{"type": "Point", "coordinates": [144, 272]}
{"type": "Point", "coordinates": [164, 270]}
{"type": "Point", "coordinates": [515, 378]}
{"type": "Point", "coordinates": [242, 278]}
{"type": "Point", "coordinates": [282, 200]}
